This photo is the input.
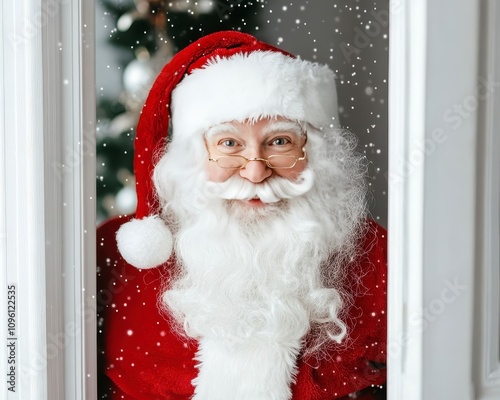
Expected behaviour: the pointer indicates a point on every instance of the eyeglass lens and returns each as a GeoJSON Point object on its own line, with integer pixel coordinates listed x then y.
{"type": "Point", "coordinates": [274, 161]}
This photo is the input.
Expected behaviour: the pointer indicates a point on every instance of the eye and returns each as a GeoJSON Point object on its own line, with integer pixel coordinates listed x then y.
{"type": "Point", "coordinates": [228, 143]}
{"type": "Point", "coordinates": [280, 141]}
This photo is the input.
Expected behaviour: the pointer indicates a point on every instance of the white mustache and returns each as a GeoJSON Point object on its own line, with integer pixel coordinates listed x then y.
{"type": "Point", "coordinates": [270, 191]}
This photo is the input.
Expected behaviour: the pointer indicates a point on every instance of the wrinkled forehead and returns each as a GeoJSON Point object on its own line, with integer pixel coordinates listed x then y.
{"type": "Point", "coordinates": [264, 127]}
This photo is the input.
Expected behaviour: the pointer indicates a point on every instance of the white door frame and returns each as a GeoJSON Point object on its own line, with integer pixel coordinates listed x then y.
{"type": "Point", "coordinates": [47, 198]}
{"type": "Point", "coordinates": [443, 201]}
{"type": "Point", "coordinates": [487, 307]}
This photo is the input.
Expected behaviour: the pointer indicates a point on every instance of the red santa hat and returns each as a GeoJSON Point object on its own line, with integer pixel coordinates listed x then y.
{"type": "Point", "coordinates": [225, 76]}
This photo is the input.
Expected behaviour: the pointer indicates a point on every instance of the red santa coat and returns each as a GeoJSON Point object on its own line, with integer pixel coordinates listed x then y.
{"type": "Point", "coordinates": [141, 358]}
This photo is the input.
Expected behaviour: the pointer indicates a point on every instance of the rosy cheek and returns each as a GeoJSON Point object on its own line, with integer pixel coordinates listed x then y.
{"type": "Point", "coordinates": [218, 174]}
{"type": "Point", "coordinates": [291, 173]}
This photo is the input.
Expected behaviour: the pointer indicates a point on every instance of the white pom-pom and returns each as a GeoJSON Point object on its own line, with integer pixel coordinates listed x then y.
{"type": "Point", "coordinates": [145, 243]}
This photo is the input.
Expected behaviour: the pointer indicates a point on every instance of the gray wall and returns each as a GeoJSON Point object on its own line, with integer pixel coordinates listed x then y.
{"type": "Point", "coordinates": [354, 43]}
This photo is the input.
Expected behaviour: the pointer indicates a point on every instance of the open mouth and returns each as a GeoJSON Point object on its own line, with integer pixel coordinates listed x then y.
{"type": "Point", "coordinates": [255, 202]}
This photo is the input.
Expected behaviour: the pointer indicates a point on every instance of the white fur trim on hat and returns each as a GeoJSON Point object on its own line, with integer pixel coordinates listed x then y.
{"type": "Point", "coordinates": [145, 243]}
{"type": "Point", "coordinates": [254, 85]}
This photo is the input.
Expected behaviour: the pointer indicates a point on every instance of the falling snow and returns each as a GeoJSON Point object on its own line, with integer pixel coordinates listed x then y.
{"type": "Point", "coordinates": [351, 36]}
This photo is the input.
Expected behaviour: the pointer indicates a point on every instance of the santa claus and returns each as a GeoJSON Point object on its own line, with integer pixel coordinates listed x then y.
{"type": "Point", "coordinates": [250, 270]}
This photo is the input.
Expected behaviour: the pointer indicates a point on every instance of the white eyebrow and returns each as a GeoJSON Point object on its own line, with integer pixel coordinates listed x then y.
{"type": "Point", "coordinates": [283, 126]}
{"type": "Point", "coordinates": [220, 128]}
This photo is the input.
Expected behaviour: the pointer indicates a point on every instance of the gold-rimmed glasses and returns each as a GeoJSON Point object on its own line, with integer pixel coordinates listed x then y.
{"type": "Point", "coordinates": [285, 160]}
{"type": "Point", "coordinates": [274, 161]}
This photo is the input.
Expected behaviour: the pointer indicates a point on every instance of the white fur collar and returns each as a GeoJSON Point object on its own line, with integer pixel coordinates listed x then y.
{"type": "Point", "coordinates": [257, 370]}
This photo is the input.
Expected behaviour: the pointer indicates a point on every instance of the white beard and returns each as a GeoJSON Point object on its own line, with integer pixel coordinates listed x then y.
{"type": "Point", "coordinates": [249, 288]}
{"type": "Point", "coordinates": [251, 282]}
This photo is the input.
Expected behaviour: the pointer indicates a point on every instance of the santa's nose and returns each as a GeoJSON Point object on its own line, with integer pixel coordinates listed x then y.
{"type": "Point", "coordinates": [256, 171]}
